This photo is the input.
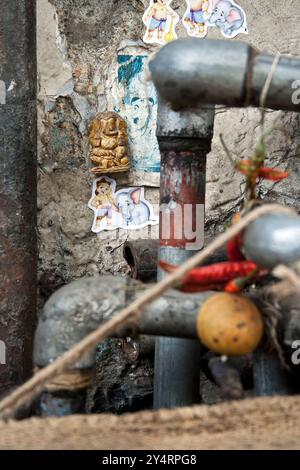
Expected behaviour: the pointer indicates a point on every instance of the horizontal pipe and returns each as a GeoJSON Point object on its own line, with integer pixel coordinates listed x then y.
{"type": "Point", "coordinates": [141, 256]}
{"type": "Point", "coordinates": [173, 315]}
{"type": "Point", "coordinates": [79, 308]}
{"type": "Point", "coordinates": [191, 72]}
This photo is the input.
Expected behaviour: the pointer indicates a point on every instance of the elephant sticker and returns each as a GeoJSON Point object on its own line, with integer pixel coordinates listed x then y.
{"type": "Point", "coordinates": [229, 17]}
{"type": "Point", "coordinates": [226, 15]}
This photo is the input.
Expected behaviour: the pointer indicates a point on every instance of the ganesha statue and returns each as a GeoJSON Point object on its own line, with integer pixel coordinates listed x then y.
{"type": "Point", "coordinates": [109, 143]}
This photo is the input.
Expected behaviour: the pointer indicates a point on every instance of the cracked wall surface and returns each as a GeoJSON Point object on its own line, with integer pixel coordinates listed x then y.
{"type": "Point", "coordinates": [77, 45]}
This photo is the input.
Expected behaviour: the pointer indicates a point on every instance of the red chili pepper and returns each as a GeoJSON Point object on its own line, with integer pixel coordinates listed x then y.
{"type": "Point", "coordinates": [218, 274]}
{"type": "Point", "coordinates": [237, 285]}
{"type": "Point", "coordinates": [234, 249]}
{"type": "Point", "coordinates": [234, 252]}
{"type": "Point", "coordinates": [273, 175]}
{"type": "Point", "coordinates": [233, 288]}
{"type": "Point", "coordinates": [246, 168]}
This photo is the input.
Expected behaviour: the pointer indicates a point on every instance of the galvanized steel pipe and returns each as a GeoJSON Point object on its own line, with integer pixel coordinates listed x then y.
{"type": "Point", "coordinates": [190, 72]}
{"type": "Point", "coordinates": [80, 307]}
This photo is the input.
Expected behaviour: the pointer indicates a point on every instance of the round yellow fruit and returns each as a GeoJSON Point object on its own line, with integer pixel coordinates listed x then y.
{"type": "Point", "coordinates": [230, 325]}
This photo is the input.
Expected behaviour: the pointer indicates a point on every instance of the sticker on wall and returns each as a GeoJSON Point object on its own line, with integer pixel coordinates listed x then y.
{"type": "Point", "coordinates": [229, 17]}
{"type": "Point", "coordinates": [160, 21]}
{"type": "Point", "coordinates": [196, 17]}
{"type": "Point", "coordinates": [127, 208]}
{"type": "Point", "coordinates": [136, 101]}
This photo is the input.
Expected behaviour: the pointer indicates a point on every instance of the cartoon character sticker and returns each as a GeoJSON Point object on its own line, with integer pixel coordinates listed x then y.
{"type": "Point", "coordinates": [226, 15]}
{"type": "Point", "coordinates": [196, 17]}
{"type": "Point", "coordinates": [229, 17]}
{"type": "Point", "coordinates": [126, 208]}
{"type": "Point", "coordinates": [160, 21]}
{"type": "Point", "coordinates": [103, 204]}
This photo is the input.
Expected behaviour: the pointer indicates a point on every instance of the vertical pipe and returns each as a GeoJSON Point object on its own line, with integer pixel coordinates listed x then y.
{"type": "Point", "coordinates": [184, 139]}
{"type": "Point", "coordinates": [17, 189]}
{"type": "Point", "coordinates": [269, 377]}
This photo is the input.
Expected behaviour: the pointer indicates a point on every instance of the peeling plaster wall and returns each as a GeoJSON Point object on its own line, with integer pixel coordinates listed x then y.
{"type": "Point", "coordinates": [77, 45]}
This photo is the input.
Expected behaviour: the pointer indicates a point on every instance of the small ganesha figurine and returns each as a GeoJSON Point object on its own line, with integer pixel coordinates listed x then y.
{"type": "Point", "coordinates": [109, 143]}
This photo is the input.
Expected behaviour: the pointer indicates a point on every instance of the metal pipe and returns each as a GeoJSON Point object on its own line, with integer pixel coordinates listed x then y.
{"type": "Point", "coordinates": [18, 258]}
{"type": "Point", "coordinates": [141, 256]}
{"type": "Point", "coordinates": [269, 376]}
{"type": "Point", "coordinates": [79, 308]}
{"type": "Point", "coordinates": [184, 140]}
{"type": "Point", "coordinates": [191, 72]}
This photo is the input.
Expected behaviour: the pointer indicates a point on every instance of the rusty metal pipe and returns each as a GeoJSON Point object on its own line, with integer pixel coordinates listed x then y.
{"type": "Point", "coordinates": [184, 140]}
{"type": "Point", "coordinates": [18, 258]}
{"type": "Point", "coordinates": [191, 72]}
{"type": "Point", "coordinates": [135, 256]}
{"type": "Point", "coordinates": [141, 256]}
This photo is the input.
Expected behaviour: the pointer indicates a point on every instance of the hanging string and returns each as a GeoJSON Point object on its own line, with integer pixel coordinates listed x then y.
{"type": "Point", "coordinates": [266, 89]}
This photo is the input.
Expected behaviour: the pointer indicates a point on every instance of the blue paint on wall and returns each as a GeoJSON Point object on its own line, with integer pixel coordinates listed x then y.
{"type": "Point", "coordinates": [129, 67]}
{"type": "Point", "coordinates": [139, 108]}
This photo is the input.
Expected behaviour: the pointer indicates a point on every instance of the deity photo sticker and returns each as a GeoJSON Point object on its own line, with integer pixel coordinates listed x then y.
{"type": "Point", "coordinates": [160, 21]}
{"type": "Point", "coordinates": [229, 17]}
{"type": "Point", "coordinates": [126, 208]}
{"type": "Point", "coordinates": [196, 17]}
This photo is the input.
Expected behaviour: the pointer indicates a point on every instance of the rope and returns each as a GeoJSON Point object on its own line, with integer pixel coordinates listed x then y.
{"type": "Point", "coordinates": [288, 274]}
{"type": "Point", "coordinates": [71, 380]}
{"type": "Point", "coordinates": [268, 82]}
{"type": "Point", "coordinates": [266, 88]}
{"type": "Point", "coordinates": [27, 392]}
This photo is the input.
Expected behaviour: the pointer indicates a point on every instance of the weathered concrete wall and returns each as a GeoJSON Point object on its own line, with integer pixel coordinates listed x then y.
{"type": "Point", "coordinates": [77, 43]}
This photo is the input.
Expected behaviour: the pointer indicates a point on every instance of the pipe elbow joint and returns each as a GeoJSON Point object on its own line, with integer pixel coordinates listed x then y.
{"type": "Point", "coordinates": [72, 313]}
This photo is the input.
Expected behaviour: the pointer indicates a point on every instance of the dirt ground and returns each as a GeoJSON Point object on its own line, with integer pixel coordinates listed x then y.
{"type": "Point", "coordinates": [264, 423]}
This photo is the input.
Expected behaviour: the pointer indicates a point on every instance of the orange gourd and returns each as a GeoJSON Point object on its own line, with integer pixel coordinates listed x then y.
{"type": "Point", "coordinates": [230, 325]}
